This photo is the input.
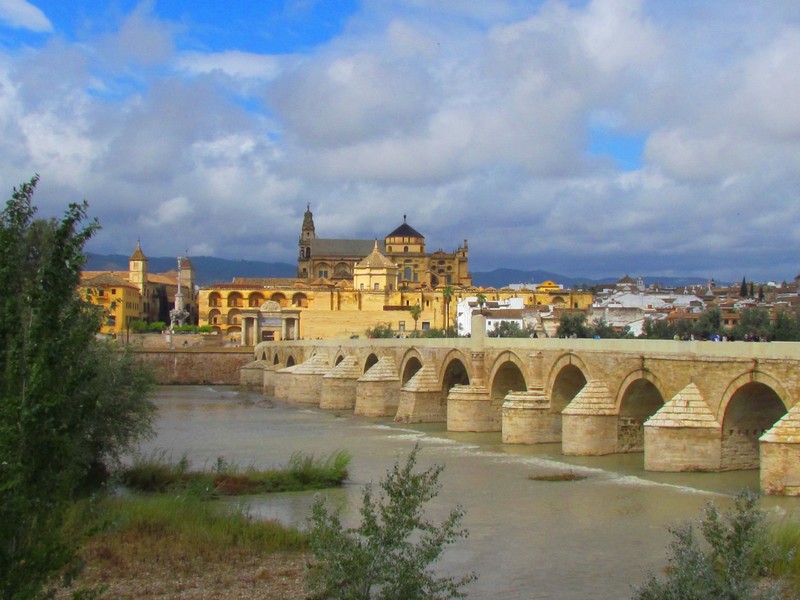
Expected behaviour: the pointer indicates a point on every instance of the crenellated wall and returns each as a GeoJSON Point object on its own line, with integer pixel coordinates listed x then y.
{"type": "Point", "coordinates": [687, 405]}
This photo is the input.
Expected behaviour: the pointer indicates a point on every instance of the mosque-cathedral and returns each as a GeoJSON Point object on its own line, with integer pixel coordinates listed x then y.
{"type": "Point", "coordinates": [345, 286]}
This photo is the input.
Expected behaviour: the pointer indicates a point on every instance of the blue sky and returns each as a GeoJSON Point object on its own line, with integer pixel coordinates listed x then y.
{"type": "Point", "coordinates": [592, 138]}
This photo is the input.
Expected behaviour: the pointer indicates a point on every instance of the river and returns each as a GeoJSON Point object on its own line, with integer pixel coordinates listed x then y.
{"type": "Point", "coordinates": [596, 537]}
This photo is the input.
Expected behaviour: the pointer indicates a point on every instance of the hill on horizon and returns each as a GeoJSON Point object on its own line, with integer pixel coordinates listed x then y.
{"type": "Point", "coordinates": [210, 270]}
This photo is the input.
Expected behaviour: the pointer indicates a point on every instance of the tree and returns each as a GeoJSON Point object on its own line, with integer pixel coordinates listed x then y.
{"type": "Point", "coordinates": [68, 405]}
{"type": "Point", "coordinates": [709, 323]}
{"type": "Point", "coordinates": [785, 328]}
{"type": "Point", "coordinates": [753, 325]}
{"type": "Point", "coordinates": [511, 329]}
{"type": "Point", "coordinates": [728, 566]}
{"type": "Point", "coordinates": [447, 296]}
{"type": "Point", "coordinates": [657, 329]}
{"type": "Point", "coordinates": [743, 289]}
{"type": "Point", "coordinates": [573, 324]}
{"type": "Point", "coordinates": [415, 311]}
{"type": "Point", "coordinates": [387, 556]}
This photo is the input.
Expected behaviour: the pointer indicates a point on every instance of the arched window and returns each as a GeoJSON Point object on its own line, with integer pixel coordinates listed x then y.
{"type": "Point", "coordinates": [405, 248]}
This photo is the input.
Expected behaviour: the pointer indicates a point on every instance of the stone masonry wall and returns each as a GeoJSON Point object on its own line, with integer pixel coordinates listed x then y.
{"type": "Point", "coordinates": [192, 367]}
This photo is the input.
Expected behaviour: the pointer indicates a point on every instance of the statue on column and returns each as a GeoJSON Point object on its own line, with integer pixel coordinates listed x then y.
{"type": "Point", "coordinates": [179, 314]}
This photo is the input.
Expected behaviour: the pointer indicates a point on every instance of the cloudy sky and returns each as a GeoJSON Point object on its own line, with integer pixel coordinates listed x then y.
{"type": "Point", "coordinates": [590, 138]}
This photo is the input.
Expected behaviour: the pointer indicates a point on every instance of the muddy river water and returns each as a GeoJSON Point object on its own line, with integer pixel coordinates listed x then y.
{"type": "Point", "coordinates": [596, 537]}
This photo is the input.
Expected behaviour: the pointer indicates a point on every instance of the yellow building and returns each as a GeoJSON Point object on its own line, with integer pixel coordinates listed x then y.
{"type": "Point", "coordinates": [378, 290]}
{"type": "Point", "coordinates": [336, 259]}
{"type": "Point", "coordinates": [136, 294]}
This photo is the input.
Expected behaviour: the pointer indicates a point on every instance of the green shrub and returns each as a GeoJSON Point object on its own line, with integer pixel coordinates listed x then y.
{"type": "Point", "coordinates": [388, 554]}
{"type": "Point", "coordinates": [729, 565]}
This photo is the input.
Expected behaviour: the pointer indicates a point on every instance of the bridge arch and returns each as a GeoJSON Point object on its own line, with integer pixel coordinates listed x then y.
{"type": "Point", "coordinates": [455, 371]}
{"type": "Point", "coordinates": [507, 375]}
{"type": "Point", "coordinates": [370, 362]}
{"type": "Point", "coordinates": [567, 377]}
{"type": "Point", "coordinates": [411, 363]}
{"type": "Point", "coordinates": [751, 404]}
{"type": "Point", "coordinates": [276, 359]}
{"type": "Point", "coordinates": [290, 362]}
{"type": "Point", "coordinates": [640, 396]}
{"type": "Point", "coordinates": [339, 357]}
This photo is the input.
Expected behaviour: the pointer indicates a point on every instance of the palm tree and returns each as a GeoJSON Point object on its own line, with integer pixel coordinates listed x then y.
{"type": "Point", "coordinates": [415, 311]}
{"type": "Point", "coordinates": [447, 295]}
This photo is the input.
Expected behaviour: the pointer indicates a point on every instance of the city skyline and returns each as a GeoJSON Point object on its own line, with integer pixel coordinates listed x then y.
{"type": "Point", "coordinates": [585, 138]}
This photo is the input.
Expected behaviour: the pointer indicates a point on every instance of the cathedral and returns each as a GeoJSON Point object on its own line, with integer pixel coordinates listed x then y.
{"type": "Point", "coordinates": [335, 260]}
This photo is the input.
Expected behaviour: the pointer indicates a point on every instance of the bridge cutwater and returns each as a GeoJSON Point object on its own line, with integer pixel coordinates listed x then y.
{"type": "Point", "coordinates": [689, 406]}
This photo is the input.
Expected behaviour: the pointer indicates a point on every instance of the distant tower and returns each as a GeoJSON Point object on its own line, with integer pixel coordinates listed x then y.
{"type": "Point", "coordinates": [307, 235]}
{"type": "Point", "coordinates": [137, 269]}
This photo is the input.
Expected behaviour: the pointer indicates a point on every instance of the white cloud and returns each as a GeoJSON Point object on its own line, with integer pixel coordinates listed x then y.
{"type": "Point", "coordinates": [24, 15]}
{"type": "Point", "coordinates": [168, 214]}
{"type": "Point", "coordinates": [473, 118]}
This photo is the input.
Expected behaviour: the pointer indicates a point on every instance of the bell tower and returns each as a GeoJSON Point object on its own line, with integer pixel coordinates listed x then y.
{"type": "Point", "coordinates": [307, 235]}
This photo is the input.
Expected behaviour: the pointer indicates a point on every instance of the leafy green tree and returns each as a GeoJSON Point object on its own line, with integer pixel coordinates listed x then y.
{"type": "Point", "coordinates": [709, 323]}
{"type": "Point", "coordinates": [573, 324]}
{"type": "Point", "coordinates": [381, 330]}
{"type": "Point", "coordinates": [388, 555]}
{"type": "Point", "coordinates": [601, 329]}
{"type": "Point", "coordinates": [728, 565]}
{"type": "Point", "coordinates": [657, 329]}
{"type": "Point", "coordinates": [753, 324]}
{"type": "Point", "coordinates": [785, 328]}
{"type": "Point", "coordinates": [511, 329]}
{"type": "Point", "coordinates": [68, 405]}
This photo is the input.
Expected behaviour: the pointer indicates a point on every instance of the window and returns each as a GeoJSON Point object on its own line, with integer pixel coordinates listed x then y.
{"type": "Point", "coordinates": [407, 273]}
{"type": "Point", "coordinates": [376, 287]}
{"type": "Point", "coordinates": [323, 273]}
{"type": "Point", "coordinates": [113, 290]}
{"type": "Point", "coordinates": [362, 286]}
{"type": "Point", "coordinates": [426, 325]}
{"type": "Point", "coordinates": [401, 326]}
{"type": "Point", "coordinates": [405, 248]}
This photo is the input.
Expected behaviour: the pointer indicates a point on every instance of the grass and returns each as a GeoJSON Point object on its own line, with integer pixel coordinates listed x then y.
{"type": "Point", "coordinates": [157, 473]}
{"type": "Point", "coordinates": [165, 545]}
{"type": "Point", "coordinates": [784, 538]}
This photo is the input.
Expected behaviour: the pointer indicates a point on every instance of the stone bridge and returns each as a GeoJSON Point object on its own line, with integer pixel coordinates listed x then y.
{"type": "Point", "coordinates": [689, 406]}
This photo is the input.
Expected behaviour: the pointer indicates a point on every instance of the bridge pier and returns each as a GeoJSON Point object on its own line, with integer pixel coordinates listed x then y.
{"type": "Point", "coordinates": [590, 422]}
{"type": "Point", "coordinates": [283, 381]}
{"type": "Point", "coordinates": [528, 417]}
{"type": "Point", "coordinates": [780, 456]}
{"type": "Point", "coordinates": [421, 399]}
{"type": "Point", "coordinates": [683, 435]}
{"type": "Point", "coordinates": [469, 408]}
{"type": "Point", "coordinates": [378, 390]}
{"type": "Point", "coordinates": [306, 385]}
{"type": "Point", "coordinates": [339, 385]}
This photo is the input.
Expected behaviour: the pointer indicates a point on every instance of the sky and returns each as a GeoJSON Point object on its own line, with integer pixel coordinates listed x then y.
{"type": "Point", "coordinates": [590, 138]}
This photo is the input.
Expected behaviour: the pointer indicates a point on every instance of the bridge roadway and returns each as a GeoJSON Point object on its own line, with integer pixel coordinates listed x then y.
{"type": "Point", "coordinates": [689, 406]}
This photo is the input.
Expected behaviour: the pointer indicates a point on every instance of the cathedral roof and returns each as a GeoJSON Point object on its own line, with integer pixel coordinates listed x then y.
{"type": "Point", "coordinates": [324, 247]}
{"type": "Point", "coordinates": [406, 230]}
{"type": "Point", "coordinates": [376, 260]}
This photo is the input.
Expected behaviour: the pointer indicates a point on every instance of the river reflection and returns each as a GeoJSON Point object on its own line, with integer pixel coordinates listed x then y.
{"type": "Point", "coordinates": [593, 538]}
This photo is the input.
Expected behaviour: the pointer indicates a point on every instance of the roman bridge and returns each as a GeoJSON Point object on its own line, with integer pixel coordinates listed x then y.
{"type": "Point", "coordinates": [689, 406]}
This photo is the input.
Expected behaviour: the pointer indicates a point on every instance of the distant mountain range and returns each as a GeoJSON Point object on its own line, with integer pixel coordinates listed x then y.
{"type": "Point", "coordinates": [221, 270]}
